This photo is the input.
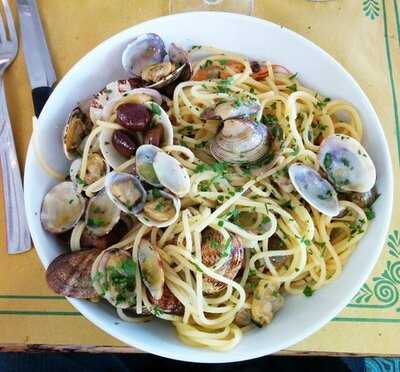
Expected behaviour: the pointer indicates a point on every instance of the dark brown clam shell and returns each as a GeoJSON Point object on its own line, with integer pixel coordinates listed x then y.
{"type": "Point", "coordinates": [211, 255]}
{"type": "Point", "coordinates": [69, 274]}
{"type": "Point", "coordinates": [168, 303]}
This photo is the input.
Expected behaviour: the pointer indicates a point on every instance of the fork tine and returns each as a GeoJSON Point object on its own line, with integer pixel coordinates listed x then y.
{"type": "Point", "coordinates": [10, 21]}
{"type": "Point", "coordinates": [3, 35]}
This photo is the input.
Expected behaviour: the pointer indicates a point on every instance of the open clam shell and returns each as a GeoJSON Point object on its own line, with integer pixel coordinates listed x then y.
{"type": "Point", "coordinates": [96, 168]}
{"type": "Point", "coordinates": [160, 210]}
{"type": "Point", "coordinates": [142, 51]}
{"type": "Point", "coordinates": [62, 208]}
{"type": "Point", "coordinates": [76, 128]}
{"type": "Point", "coordinates": [101, 214]}
{"type": "Point", "coordinates": [144, 57]}
{"type": "Point", "coordinates": [113, 276]}
{"type": "Point", "coordinates": [314, 189]}
{"type": "Point", "coordinates": [125, 191]}
{"type": "Point", "coordinates": [151, 269]}
{"type": "Point", "coordinates": [160, 169]}
{"type": "Point", "coordinates": [241, 141]}
{"type": "Point", "coordinates": [69, 274]}
{"type": "Point", "coordinates": [347, 164]}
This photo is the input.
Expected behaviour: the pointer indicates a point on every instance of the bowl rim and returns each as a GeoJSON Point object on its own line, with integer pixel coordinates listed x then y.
{"type": "Point", "coordinates": [344, 300]}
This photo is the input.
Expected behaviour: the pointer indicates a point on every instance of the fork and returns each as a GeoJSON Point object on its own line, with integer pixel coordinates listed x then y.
{"type": "Point", "coordinates": [18, 238]}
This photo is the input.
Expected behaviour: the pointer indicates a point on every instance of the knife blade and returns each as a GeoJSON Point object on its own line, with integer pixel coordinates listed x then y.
{"type": "Point", "coordinates": [37, 57]}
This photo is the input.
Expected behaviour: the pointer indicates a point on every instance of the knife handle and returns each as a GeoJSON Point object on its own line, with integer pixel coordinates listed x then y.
{"type": "Point", "coordinates": [40, 96]}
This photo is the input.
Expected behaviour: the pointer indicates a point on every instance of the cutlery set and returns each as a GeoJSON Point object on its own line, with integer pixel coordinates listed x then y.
{"type": "Point", "coordinates": [42, 77]}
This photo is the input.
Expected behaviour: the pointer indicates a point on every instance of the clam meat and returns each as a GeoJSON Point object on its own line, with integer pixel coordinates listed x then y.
{"type": "Point", "coordinates": [96, 168]}
{"type": "Point", "coordinates": [62, 208]}
{"type": "Point", "coordinates": [125, 191]}
{"type": "Point", "coordinates": [160, 210]}
{"type": "Point", "coordinates": [241, 141]}
{"type": "Point", "coordinates": [144, 57]}
{"type": "Point", "coordinates": [76, 128]}
{"type": "Point", "coordinates": [113, 275]}
{"type": "Point", "coordinates": [101, 214]}
{"type": "Point", "coordinates": [266, 302]}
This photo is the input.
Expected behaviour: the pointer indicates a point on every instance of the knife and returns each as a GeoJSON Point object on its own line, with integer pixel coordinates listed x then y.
{"type": "Point", "coordinates": [37, 57]}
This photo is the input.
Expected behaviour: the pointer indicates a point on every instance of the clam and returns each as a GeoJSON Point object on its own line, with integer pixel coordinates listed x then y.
{"type": "Point", "coordinates": [347, 164]}
{"type": "Point", "coordinates": [314, 189]}
{"type": "Point", "coordinates": [160, 210]}
{"type": "Point", "coordinates": [168, 303]}
{"type": "Point", "coordinates": [101, 214]}
{"type": "Point", "coordinates": [241, 141]}
{"type": "Point", "coordinates": [76, 129]}
{"type": "Point", "coordinates": [151, 269]}
{"type": "Point", "coordinates": [69, 274]}
{"type": "Point", "coordinates": [113, 276]}
{"type": "Point", "coordinates": [125, 191]}
{"type": "Point", "coordinates": [266, 302]}
{"type": "Point", "coordinates": [276, 244]}
{"type": "Point", "coordinates": [231, 110]}
{"type": "Point", "coordinates": [160, 169]}
{"type": "Point", "coordinates": [144, 58]}
{"type": "Point", "coordinates": [103, 102]}
{"type": "Point", "coordinates": [62, 208]}
{"type": "Point", "coordinates": [96, 168]}
{"type": "Point", "coordinates": [362, 199]}
{"type": "Point", "coordinates": [243, 318]}
{"type": "Point", "coordinates": [214, 247]}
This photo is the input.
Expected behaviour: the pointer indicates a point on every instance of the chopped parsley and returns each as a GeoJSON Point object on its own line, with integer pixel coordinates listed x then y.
{"type": "Point", "coordinates": [322, 103]}
{"type": "Point", "coordinates": [328, 160]}
{"type": "Point", "coordinates": [95, 222]}
{"type": "Point", "coordinates": [295, 151]}
{"type": "Point", "coordinates": [70, 201]}
{"type": "Point", "coordinates": [326, 195]}
{"type": "Point", "coordinates": [220, 223]}
{"type": "Point", "coordinates": [160, 206]}
{"type": "Point", "coordinates": [194, 47]}
{"type": "Point", "coordinates": [197, 267]}
{"type": "Point", "coordinates": [157, 311]}
{"type": "Point", "coordinates": [155, 193]}
{"type": "Point", "coordinates": [221, 198]}
{"type": "Point", "coordinates": [223, 62]}
{"type": "Point", "coordinates": [286, 204]}
{"type": "Point", "coordinates": [369, 212]}
{"type": "Point", "coordinates": [223, 85]}
{"type": "Point", "coordinates": [275, 293]}
{"type": "Point", "coordinates": [80, 181]}
{"type": "Point", "coordinates": [308, 291]}
{"type": "Point", "coordinates": [265, 220]}
{"type": "Point", "coordinates": [293, 76]}
{"type": "Point", "coordinates": [293, 87]}
{"type": "Point", "coordinates": [215, 244]}
{"type": "Point", "coordinates": [155, 109]}
{"type": "Point", "coordinates": [227, 248]}
{"type": "Point", "coordinates": [305, 241]}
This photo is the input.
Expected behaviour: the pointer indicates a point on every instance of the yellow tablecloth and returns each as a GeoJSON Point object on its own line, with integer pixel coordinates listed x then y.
{"type": "Point", "coordinates": [363, 35]}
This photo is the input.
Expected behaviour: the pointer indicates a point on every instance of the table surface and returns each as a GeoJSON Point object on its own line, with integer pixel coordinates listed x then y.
{"type": "Point", "coordinates": [363, 35]}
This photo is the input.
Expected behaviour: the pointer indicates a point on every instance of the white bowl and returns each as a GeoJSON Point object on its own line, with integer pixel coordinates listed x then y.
{"type": "Point", "coordinates": [256, 38]}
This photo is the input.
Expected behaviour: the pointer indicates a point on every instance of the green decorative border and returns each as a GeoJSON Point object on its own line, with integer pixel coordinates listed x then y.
{"type": "Point", "coordinates": [384, 291]}
{"type": "Point", "coordinates": [371, 8]}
